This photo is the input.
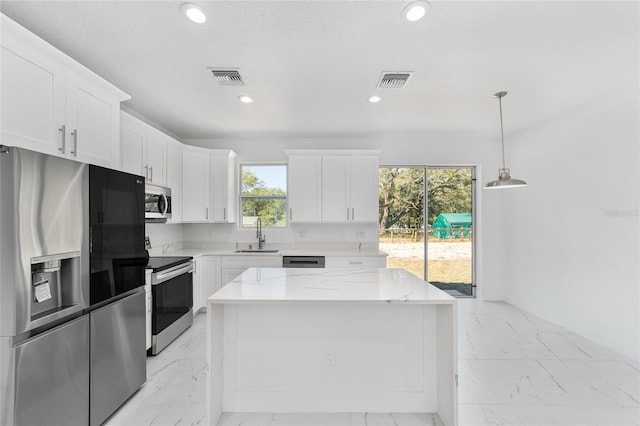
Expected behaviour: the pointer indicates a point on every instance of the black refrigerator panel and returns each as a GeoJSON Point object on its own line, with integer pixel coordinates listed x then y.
{"type": "Point", "coordinates": [116, 218]}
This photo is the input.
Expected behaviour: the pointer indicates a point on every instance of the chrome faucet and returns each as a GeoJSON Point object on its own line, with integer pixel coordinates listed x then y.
{"type": "Point", "coordinates": [261, 238]}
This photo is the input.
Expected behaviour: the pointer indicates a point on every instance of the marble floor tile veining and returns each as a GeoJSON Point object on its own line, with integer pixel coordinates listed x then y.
{"type": "Point", "coordinates": [514, 369]}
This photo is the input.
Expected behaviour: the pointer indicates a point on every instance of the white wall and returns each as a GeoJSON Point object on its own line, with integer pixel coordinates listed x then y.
{"type": "Point", "coordinates": [572, 238]}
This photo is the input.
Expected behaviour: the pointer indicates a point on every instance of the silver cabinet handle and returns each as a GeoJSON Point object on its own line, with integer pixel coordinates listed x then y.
{"type": "Point", "coordinates": [355, 263]}
{"type": "Point", "coordinates": [151, 173]}
{"type": "Point", "coordinates": [224, 213]}
{"type": "Point", "coordinates": [290, 214]}
{"type": "Point", "coordinates": [206, 213]}
{"type": "Point", "coordinates": [353, 214]}
{"type": "Point", "coordinates": [75, 142]}
{"type": "Point", "coordinates": [146, 172]}
{"type": "Point", "coordinates": [63, 129]}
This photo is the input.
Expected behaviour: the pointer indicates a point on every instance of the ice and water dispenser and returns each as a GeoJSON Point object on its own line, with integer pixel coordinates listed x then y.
{"type": "Point", "coordinates": [55, 284]}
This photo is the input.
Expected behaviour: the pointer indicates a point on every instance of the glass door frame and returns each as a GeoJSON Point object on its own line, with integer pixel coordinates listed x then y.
{"type": "Point", "coordinates": [473, 224]}
{"type": "Point", "coordinates": [425, 169]}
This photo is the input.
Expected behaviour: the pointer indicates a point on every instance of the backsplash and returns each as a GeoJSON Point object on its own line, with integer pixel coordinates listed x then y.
{"type": "Point", "coordinates": [171, 236]}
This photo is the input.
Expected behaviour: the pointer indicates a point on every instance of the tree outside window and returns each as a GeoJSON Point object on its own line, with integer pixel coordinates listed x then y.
{"type": "Point", "coordinates": [264, 195]}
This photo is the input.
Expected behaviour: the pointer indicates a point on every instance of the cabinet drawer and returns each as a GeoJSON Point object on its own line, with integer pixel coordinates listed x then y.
{"type": "Point", "coordinates": [251, 261]}
{"type": "Point", "coordinates": [356, 262]}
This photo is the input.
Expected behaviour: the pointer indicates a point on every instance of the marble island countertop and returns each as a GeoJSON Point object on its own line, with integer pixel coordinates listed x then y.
{"type": "Point", "coordinates": [329, 285]}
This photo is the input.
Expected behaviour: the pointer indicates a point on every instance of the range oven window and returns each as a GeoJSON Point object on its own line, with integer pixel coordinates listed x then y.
{"type": "Point", "coordinates": [171, 300]}
{"type": "Point", "coordinates": [118, 257]}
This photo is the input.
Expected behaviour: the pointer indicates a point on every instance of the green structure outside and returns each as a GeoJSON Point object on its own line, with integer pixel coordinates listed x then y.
{"type": "Point", "coordinates": [452, 225]}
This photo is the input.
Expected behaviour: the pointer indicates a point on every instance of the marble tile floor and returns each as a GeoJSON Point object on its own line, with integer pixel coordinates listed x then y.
{"type": "Point", "coordinates": [514, 369]}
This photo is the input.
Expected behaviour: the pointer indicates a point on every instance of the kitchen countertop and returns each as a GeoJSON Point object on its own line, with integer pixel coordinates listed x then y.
{"type": "Point", "coordinates": [329, 285]}
{"type": "Point", "coordinates": [289, 251]}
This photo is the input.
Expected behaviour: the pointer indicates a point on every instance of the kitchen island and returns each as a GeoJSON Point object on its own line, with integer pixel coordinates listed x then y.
{"type": "Point", "coordinates": [331, 340]}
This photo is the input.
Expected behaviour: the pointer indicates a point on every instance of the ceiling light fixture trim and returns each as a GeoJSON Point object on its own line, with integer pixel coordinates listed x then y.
{"type": "Point", "coordinates": [194, 13]}
{"type": "Point", "coordinates": [374, 99]}
{"type": "Point", "coordinates": [504, 180]}
{"type": "Point", "coordinates": [415, 11]}
{"type": "Point", "coordinates": [246, 99]}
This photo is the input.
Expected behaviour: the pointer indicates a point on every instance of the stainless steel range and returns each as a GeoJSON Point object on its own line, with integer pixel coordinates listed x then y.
{"type": "Point", "coordinates": [172, 292]}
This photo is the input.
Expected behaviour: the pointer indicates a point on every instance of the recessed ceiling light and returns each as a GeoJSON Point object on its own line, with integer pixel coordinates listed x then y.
{"type": "Point", "coordinates": [245, 99]}
{"type": "Point", "coordinates": [416, 11]}
{"type": "Point", "coordinates": [194, 13]}
{"type": "Point", "coordinates": [374, 99]}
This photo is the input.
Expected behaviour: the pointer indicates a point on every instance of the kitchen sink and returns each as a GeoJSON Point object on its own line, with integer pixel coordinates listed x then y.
{"type": "Point", "coordinates": [257, 251]}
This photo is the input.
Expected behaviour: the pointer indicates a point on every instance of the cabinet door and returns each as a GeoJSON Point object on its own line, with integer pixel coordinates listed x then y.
{"type": "Point", "coordinates": [363, 179]}
{"type": "Point", "coordinates": [335, 188]}
{"type": "Point", "coordinates": [93, 124]}
{"type": "Point", "coordinates": [356, 262]}
{"type": "Point", "coordinates": [209, 270]}
{"type": "Point", "coordinates": [197, 284]}
{"type": "Point", "coordinates": [223, 176]}
{"type": "Point", "coordinates": [174, 179]}
{"type": "Point", "coordinates": [195, 184]}
{"type": "Point", "coordinates": [133, 138]}
{"type": "Point", "coordinates": [304, 174]}
{"type": "Point", "coordinates": [33, 99]}
{"type": "Point", "coordinates": [156, 157]}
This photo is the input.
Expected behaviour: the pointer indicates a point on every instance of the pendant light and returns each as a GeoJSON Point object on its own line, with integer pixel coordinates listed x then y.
{"type": "Point", "coordinates": [504, 175]}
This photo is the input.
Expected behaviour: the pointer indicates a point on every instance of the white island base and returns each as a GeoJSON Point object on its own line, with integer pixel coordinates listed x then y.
{"type": "Point", "coordinates": [331, 341]}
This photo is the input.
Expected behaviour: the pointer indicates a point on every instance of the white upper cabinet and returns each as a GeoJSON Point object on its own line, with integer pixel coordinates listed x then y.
{"type": "Point", "coordinates": [304, 188]}
{"type": "Point", "coordinates": [333, 186]}
{"type": "Point", "coordinates": [144, 149]}
{"type": "Point", "coordinates": [156, 157]}
{"type": "Point", "coordinates": [174, 179]}
{"type": "Point", "coordinates": [195, 182]}
{"type": "Point", "coordinates": [223, 186]}
{"type": "Point", "coordinates": [350, 188]}
{"type": "Point", "coordinates": [133, 140]}
{"type": "Point", "coordinates": [54, 105]}
{"type": "Point", "coordinates": [336, 204]}
{"type": "Point", "coordinates": [363, 186]}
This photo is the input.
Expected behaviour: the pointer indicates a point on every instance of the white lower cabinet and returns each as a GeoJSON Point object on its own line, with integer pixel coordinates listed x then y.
{"type": "Point", "coordinates": [232, 266]}
{"type": "Point", "coordinates": [206, 280]}
{"type": "Point", "coordinates": [148, 305]}
{"type": "Point", "coordinates": [356, 262]}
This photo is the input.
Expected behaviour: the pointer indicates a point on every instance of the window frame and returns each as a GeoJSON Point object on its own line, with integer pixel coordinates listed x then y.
{"type": "Point", "coordinates": [242, 197]}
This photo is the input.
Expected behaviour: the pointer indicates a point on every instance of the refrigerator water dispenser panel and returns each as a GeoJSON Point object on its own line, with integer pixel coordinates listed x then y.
{"type": "Point", "coordinates": [55, 283]}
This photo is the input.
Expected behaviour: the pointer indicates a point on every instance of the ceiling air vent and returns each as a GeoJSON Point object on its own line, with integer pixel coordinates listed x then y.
{"type": "Point", "coordinates": [393, 80]}
{"type": "Point", "coordinates": [227, 77]}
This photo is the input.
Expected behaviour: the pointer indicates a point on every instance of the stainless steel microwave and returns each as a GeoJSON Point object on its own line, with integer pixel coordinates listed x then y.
{"type": "Point", "coordinates": [157, 203]}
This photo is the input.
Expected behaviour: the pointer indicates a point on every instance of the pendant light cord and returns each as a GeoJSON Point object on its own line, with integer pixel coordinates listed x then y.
{"type": "Point", "coordinates": [500, 95]}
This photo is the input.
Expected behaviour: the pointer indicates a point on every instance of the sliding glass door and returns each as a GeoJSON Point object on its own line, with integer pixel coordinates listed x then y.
{"type": "Point", "coordinates": [426, 224]}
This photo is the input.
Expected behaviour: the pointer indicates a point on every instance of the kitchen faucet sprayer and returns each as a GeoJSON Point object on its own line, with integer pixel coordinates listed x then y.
{"type": "Point", "coordinates": [261, 238]}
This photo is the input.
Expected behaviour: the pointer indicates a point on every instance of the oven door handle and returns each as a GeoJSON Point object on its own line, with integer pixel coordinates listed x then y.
{"type": "Point", "coordinates": [166, 276]}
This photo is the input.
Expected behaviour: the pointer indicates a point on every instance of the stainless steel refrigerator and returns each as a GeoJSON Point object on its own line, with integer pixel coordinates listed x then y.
{"type": "Point", "coordinates": [56, 344]}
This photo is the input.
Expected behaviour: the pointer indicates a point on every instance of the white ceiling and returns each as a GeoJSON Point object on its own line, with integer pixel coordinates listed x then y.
{"type": "Point", "coordinates": [311, 65]}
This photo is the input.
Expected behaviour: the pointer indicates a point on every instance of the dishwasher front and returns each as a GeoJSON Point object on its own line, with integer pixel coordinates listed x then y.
{"type": "Point", "coordinates": [303, 261]}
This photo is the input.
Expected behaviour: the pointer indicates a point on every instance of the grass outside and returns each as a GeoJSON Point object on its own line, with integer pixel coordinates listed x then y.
{"type": "Point", "coordinates": [443, 271]}
{"type": "Point", "coordinates": [449, 265]}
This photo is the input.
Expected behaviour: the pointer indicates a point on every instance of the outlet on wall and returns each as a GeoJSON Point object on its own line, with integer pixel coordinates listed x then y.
{"type": "Point", "coordinates": [329, 358]}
